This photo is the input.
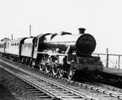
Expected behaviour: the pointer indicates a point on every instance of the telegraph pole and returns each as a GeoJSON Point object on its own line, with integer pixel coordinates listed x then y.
{"type": "Point", "coordinates": [30, 29]}
{"type": "Point", "coordinates": [12, 37]}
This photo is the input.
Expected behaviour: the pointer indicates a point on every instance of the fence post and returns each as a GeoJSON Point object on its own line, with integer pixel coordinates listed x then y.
{"type": "Point", "coordinates": [119, 62]}
{"type": "Point", "coordinates": [107, 58]}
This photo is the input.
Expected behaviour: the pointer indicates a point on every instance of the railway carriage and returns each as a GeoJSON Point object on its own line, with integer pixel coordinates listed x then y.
{"type": "Point", "coordinates": [13, 47]}
{"type": "Point", "coordinates": [3, 44]}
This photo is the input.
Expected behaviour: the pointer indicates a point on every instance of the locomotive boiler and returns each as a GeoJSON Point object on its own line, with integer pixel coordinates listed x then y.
{"type": "Point", "coordinates": [82, 44]}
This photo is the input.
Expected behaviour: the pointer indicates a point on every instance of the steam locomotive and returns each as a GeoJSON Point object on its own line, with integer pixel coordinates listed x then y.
{"type": "Point", "coordinates": [62, 55]}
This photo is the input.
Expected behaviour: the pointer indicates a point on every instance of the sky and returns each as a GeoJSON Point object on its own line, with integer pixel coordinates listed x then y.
{"type": "Point", "coordinates": [101, 18]}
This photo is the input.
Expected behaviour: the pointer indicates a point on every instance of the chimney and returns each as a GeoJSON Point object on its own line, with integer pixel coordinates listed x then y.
{"type": "Point", "coordinates": [81, 30]}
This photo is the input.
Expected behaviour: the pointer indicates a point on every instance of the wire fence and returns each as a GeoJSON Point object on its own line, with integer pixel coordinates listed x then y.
{"type": "Point", "coordinates": [110, 60]}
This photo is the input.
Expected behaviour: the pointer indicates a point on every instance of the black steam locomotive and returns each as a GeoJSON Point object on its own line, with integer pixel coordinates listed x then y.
{"type": "Point", "coordinates": [62, 55]}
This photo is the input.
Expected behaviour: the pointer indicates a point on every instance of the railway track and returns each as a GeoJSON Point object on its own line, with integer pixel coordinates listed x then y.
{"type": "Point", "coordinates": [31, 90]}
{"type": "Point", "coordinates": [70, 90]}
{"type": "Point", "coordinates": [54, 90]}
{"type": "Point", "coordinates": [20, 89]}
